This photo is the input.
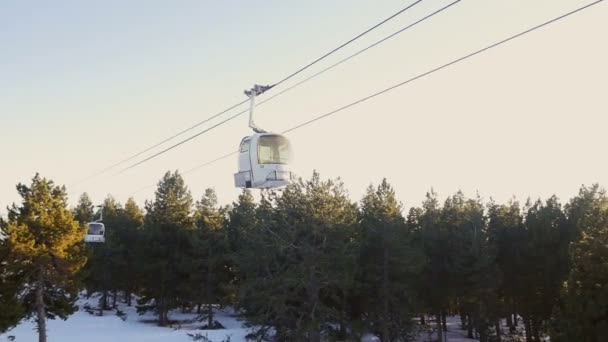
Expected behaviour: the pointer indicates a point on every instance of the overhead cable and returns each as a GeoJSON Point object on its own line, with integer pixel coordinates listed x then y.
{"type": "Point", "coordinates": [401, 11]}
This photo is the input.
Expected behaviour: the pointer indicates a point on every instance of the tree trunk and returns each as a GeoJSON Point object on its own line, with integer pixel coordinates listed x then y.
{"type": "Point", "coordinates": [444, 321]}
{"type": "Point", "coordinates": [114, 297]}
{"type": "Point", "coordinates": [129, 298]}
{"type": "Point", "coordinates": [210, 315]}
{"type": "Point", "coordinates": [510, 323]}
{"type": "Point", "coordinates": [463, 321]}
{"type": "Point", "coordinates": [314, 336]}
{"type": "Point", "coordinates": [483, 334]}
{"type": "Point", "coordinates": [470, 327]}
{"type": "Point", "coordinates": [439, 328]}
{"type": "Point", "coordinates": [536, 330]}
{"type": "Point", "coordinates": [422, 321]}
{"type": "Point", "coordinates": [103, 302]}
{"type": "Point", "coordinates": [385, 332]}
{"type": "Point", "coordinates": [312, 291]}
{"type": "Point", "coordinates": [162, 312]}
{"type": "Point", "coordinates": [209, 290]}
{"type": "Point", "coordinates": [40, 307]}
{"type": "Point", "coordinates": [528, 328]}
{"type": "Point", "coordinates": [515, 320]}
{"type": "Point", "coordinates": [497, 327]}
{"type": "Point", "coordinates": [162, 318]}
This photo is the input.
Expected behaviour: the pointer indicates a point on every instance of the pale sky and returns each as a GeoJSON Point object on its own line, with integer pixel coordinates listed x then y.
{"type": "Point", "coordinates": [84, 84]}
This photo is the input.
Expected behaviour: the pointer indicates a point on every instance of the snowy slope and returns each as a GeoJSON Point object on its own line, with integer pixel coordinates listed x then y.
{"type": "Point", "coordinates": [84, 327]}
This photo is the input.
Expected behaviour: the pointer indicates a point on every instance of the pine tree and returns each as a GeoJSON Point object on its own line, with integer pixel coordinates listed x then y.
{"type": "Point", "coordinates": [165, 248]}
{"type": "Point", "coordinates": [242, 220]}
{"type": "Point", "coordinates": [128, 234]}
{"type": "Point", "coordinates": [45, 243]}
{"type": "Point", "coordinates": [473, 275]}
{"type": "Point", "coordinates": [506, 234]}
{"type": "Point", "coordinates": [11, 311]}
{"type": "Point", "coordinates": [584, 313]}
{"type": "Point", "coordinates": [103, 270]}
{"type": "Point", "coordinates": [212, 252]}
{"type": "Point", "coordinates": [545, 251]}
{"type": "Point", "coordinates": [433, 283]}
{"type": "Point", "coordinates": [387, 263]}
{"type": "Point", "coordinates": [84, 211]}
{"type": "Point", "coordinates": [300, 260]}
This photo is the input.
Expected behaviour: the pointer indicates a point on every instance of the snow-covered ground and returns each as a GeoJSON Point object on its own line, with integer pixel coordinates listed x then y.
{"type": "Point", "coordinates": [454, 333]}
{"type": "Point", "coordinates": [85, 327]}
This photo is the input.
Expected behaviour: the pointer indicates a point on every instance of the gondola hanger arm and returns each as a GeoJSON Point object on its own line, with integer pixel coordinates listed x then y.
{"type": "Point", "coordinates": [252, 93]}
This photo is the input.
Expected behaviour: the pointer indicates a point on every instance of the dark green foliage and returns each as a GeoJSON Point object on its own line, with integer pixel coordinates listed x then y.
{"type": "Point", "coordinates": [387, 264]}
{"type": "Point", "coordinates": [242, 220]}
{"type": "Point", "coordinates": [166, 248]}
{"type": "Point", "coordinates": [299, 261]}
{"type": "Point", "coordinates": [112, 265]}
{"type": "Point", "coordinates": [474, 276]}
{"type": "Point", "coordinates": [11, 309]}
{"type": "Point", "coordinates": [211, 255]}
{"type": "Point", "coordinates": [85, 210]}
{"type": "Point", "coordinates": [307, 264]}
{"type": "Point", "coordinates": [432, 285]}
{"type": "Point", "coordinates": [544, 244]}
{"type": "Point", "coordinates": [506, 234]}
{"type": "Point", "coordinates": [584, 312]}
{"type": "Point", "coordinates": [101, 271]}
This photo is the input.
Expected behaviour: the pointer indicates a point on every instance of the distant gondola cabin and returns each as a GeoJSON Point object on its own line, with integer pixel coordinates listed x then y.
{"type": "Point", "coordinates": [95, 232]}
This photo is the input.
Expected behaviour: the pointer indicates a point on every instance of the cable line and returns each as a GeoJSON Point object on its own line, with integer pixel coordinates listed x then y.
{"type": "Point", "coordinates": [302, 82]}
{"type": "Point", "coordinates": [99, 173]}
{"type": "Point", "coordinates": [360, 51]}
{"type": "Point", "coordinates": [348, 42]}
{"type": "Point", "coordinates": [181, 142]}
{"type": "Point", "coordinates": [246, 100]}
{"type": "Point", "coordinates": [563, 16]}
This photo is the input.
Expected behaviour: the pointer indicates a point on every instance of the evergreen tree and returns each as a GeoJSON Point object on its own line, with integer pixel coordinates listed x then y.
{"type": "Point", "coordinates": [45, 244]}
{"type": "Point", "coordinates": [387, 263]}
{"type": "Point", "coordinates": [212, 253]}
{"type": "Point", "coordinates": [545, 251]}
{"type": "Point", "coordinates": [433, 283]}
{"type": "Point", "coordinates": [84, 211]}
{"type": "Point", "coordinates": [242, 221]}
{"type": "Point", "coordinates": [584, 313]}
{"type": "Point", "coordinates": [165, 251]}
{"type": "Point", "coordinates": [11, 310]}
{"type": "Point", "coordinates": [102, 271]}
{"type": "Point", "coordinates": [127, 235]}
{"type": "Point", "coordinates": [473, 275]}
{"type": "Point", "coordinates": [506, 234]}
{"type": "Point", "coordinates": [300, 260]}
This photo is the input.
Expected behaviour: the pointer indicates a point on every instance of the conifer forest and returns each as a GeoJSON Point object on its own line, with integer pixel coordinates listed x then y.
{"type": "Point", "coordinates": [308, 263]}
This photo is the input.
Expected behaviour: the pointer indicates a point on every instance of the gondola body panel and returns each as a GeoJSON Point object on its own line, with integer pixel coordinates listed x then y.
{"type": "Point", "coordinates": [95, 233]}
{"type": "Point", "coordinates": [264, 162]}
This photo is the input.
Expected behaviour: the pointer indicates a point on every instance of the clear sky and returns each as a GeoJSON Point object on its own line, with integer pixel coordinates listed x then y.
{"type": "Point", "coordinates": [84, 84]}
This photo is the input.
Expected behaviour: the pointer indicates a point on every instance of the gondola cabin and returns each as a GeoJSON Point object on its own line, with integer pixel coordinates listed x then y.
{"type": "Point", "coordinates": [264, 162]}
{"type": "Point", "coordinates": [95, 233]}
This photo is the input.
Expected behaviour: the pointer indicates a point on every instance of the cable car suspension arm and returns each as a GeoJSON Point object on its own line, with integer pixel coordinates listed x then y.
{"type": "Point", "coordinates": [255, 91]}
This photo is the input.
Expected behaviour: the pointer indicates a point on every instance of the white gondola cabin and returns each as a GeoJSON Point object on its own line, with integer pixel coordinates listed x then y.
{"type": "Point", "coordinates": [264, 162]}
{"type": "Point", "coordinates": [263, 157]}
{"type": "Point", "coordinates": [95, 233]}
